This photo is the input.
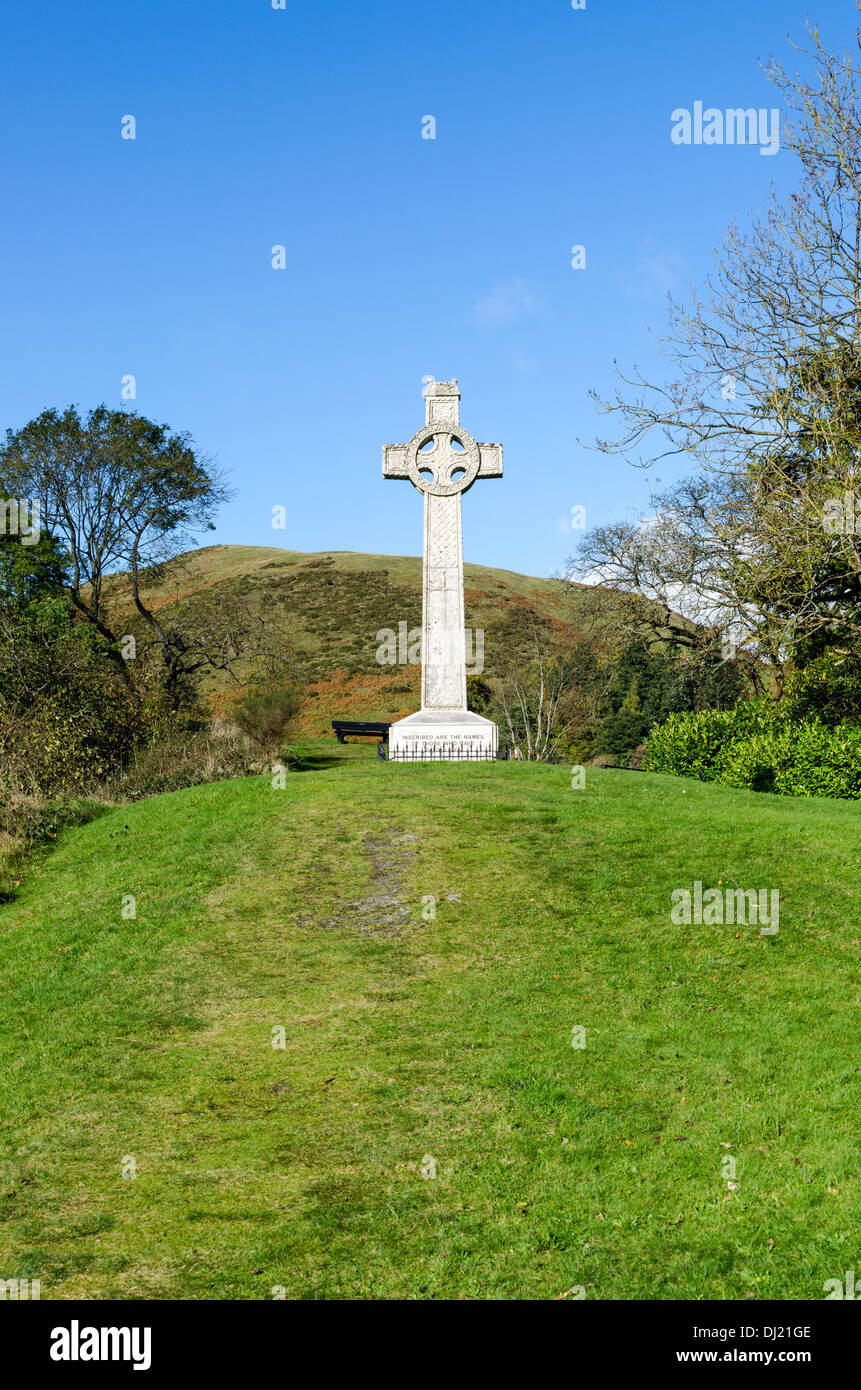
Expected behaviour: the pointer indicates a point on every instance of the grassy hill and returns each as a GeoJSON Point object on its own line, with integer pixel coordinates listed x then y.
{"type": "Point", "coordinates": [327, 608]}
{"type": "Point", "coordinates": [410, 1037]}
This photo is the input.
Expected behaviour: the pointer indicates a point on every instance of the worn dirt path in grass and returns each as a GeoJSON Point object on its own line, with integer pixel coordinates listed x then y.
{"type": "Point", "coordinates": [383, 909]}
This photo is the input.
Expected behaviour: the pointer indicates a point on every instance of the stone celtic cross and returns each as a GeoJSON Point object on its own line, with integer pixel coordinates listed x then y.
{"type": "Point", "coordinates": [443, 460]}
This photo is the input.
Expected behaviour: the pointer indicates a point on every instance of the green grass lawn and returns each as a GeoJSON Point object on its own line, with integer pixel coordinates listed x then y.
{"type": "Point", "coordinates": [407, 1039]}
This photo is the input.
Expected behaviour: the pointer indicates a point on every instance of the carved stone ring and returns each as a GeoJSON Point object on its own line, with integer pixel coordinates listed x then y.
{"type": "Point", "coordinates": [442, 459]}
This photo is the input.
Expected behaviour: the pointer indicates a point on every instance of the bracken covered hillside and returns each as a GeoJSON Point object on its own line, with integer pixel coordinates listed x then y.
{"type": "Point", "coordinates": [330, 607]}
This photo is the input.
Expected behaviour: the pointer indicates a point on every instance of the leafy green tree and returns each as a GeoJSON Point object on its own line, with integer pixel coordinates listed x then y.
{"type": "Point", "coordinates": [651, 682]}
{"type": "Point", "coordinates": [827, 688]}
{"type": "Point", "coordinates": [479, 696]}
{"type": "Point", "coordinates": [67, 719]}
{"type": "Point", "coordinates": [28, 572]}
{"type": "Point", "coordinates": [116, 492]}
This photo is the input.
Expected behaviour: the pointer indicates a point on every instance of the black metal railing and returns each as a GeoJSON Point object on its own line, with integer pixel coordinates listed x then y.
{"type": "Point", "coordinates": [441, 753]}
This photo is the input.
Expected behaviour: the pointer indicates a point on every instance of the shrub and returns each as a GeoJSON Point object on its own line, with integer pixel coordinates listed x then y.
{"type": "Point", "coordinates": [67, 720]}
{"type": "Point", "coordinates": [266, 715]}
{"type": "Point", "coordinates": [758, 747]}
{"type": "Point", "coordinates": [693, 744]}
{"type": "Point", "coordinates": [187, 758]}
{"type": "Point", "coordinates": [751, 762]}
{"type": "Point", "coordinates": [819, 761]}
{"type": "Point", "coordinates": [33, 822]}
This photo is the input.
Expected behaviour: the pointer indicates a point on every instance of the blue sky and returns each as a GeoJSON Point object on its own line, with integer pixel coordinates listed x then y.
{"type": "Point", "coordinates": [405, 257]}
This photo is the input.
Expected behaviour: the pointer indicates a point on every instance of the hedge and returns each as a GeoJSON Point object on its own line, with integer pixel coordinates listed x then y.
{"type": "Point", "coordinates": [759, 747]}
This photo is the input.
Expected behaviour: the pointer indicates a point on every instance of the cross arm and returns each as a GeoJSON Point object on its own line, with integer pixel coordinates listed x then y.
{"type": "Point", "coordinates": [491, 461]}
{"type": "Point", "coordinates": [395, 461]}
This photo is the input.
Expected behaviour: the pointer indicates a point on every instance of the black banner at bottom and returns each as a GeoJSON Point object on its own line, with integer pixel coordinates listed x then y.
{"type": "Point", "coordinates": [84, 1340]}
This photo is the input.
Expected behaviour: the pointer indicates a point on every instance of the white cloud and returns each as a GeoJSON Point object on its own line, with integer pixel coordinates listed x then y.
{"type": "Point", "coordinates": [655, 272]}
{"type": "Point", "coordinates": [508, 301]}
{"type": "Point", "coordinates": [523, 364]}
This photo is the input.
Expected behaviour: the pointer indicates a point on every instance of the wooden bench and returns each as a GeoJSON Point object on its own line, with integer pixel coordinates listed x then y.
{"type": "Point", "coordinates": [343, 727]}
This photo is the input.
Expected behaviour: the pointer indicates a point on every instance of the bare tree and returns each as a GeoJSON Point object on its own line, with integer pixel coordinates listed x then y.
{"type": "Point", "coordinates": [221, 630]}
{"type": "Point", "coordinates": [538, 698]}
{"type": "Point", "coordinates": [766, 399]}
